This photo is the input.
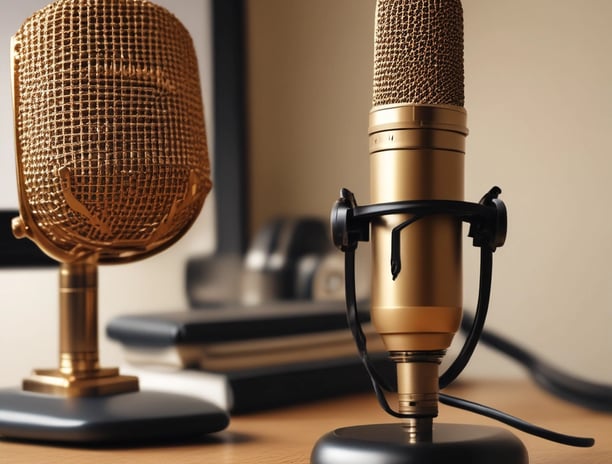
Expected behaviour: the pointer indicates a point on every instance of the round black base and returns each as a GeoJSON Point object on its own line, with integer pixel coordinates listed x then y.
{"type": "Point", "coordinates": [450, 444]}
{"type": "Point", "coordinates": [143, 416]}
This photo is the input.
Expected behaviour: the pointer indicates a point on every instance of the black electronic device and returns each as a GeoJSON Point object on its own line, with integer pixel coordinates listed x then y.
{"type": "Point", "coordinates": [281, 263]}
{"type": "Point", "coordinates": [247, 358]}
{"type": "Point", "coordinates": [19, 253]}
{"type": "Point", "coordinates": [227, 324]}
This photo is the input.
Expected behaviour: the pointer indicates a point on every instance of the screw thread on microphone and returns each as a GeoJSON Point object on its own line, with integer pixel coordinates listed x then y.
{"type": "Point", "coordinates": [417, 386]}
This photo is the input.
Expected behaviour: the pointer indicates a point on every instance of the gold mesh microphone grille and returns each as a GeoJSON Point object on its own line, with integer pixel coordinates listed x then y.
{"type": "Point", "coordinates": [418, 56]}
{"type": "Point", "coordinates": [111, 144]}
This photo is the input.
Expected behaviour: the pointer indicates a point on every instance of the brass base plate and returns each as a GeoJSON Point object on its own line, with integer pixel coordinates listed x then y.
{"type": "Point", "coordinates": [97, 383]}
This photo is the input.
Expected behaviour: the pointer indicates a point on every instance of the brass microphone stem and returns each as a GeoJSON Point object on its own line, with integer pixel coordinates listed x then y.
{"type": "Point", "coordinates": [79, 372]}
{"type": "Point", "coordinates": [417, 387]}
{"type": "Point", "coordinates": [78, 317]}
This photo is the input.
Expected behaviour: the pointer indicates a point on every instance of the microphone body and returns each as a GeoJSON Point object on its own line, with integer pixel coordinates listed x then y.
{"type": "Point", "coordinates": [417, 131]}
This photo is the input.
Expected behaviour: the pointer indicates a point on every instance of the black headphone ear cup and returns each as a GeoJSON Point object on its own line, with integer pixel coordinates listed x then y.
{"type": "Point", "coordinates": [306, 269]}
{"type": "Point", "coordinates": [328, 278]}
{"type": "Point", "coordinates": [213, 281]}
{"type": "Point", "coordinates": [280, 263]}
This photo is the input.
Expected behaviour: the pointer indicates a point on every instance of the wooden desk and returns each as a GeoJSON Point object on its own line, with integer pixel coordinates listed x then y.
{"type": "Point", "coordinates": [287, 435]}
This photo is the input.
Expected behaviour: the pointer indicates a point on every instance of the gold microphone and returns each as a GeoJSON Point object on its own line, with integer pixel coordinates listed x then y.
{"type": "Point", "coordinates": [112, 160]}
{"type": "Point", "coordinates": [417, 132]}
{"type": "Point", "coordinates": [112, 163]}
{"type": "Point", "coordinates": [417, 144]}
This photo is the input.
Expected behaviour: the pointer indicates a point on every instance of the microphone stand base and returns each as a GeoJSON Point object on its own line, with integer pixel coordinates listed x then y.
{"type": "Point", "coordinates": [390, 444]}
{"type": "Point", "coordinates": [137, 417]}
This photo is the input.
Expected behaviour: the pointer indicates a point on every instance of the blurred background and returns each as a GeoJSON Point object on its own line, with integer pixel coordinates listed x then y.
{"type": "Point", "coordinates": [539, 108]}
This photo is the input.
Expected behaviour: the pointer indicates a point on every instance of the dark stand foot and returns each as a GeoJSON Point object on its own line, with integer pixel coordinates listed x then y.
{"type": "Point", "coordinates": [140, 416]}
{"type": "Point", "coordinates": [389, 444]}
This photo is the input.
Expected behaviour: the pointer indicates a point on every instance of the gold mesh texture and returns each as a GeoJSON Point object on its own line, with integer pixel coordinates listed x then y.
{"type": "Point", "coordinates": [110, 129]}
{"type": "Point", "coordinates": [418, 56]}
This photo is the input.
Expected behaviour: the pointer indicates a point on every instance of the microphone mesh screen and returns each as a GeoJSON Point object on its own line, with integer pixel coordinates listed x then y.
{"type": "Point", "coordinates": [110, 125]}
{"type": "Point", "coordinates": [418, 56]}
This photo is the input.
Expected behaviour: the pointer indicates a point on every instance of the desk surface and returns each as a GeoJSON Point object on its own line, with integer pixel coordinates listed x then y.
{"type": "Point", "coordinates": [287, 435]}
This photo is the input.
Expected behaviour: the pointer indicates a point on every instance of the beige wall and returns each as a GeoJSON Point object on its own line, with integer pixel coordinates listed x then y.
{"type": "Point", "coordinates": [539, 102]}
{"type": "Point", "coordinates": [310, 71]}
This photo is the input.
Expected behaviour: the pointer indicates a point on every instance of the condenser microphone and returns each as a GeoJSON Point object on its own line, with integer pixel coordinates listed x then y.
{"type": "Point", "coordinates": [112, 167]}
{"type": "Point", "coordinates": [417, 132]}
{"type": "Point", "coordinates": [417, 145]}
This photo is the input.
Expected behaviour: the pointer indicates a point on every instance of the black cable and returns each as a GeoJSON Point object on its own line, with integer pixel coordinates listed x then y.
{"type": "Point", "coordinates": [591, 395]}
{"type": "Point", "coordinates": [515, 422]}
{"type": "Point", "coordinates": [378, 382]}
{"type": "Point", "coordinates": [482, 308]}
{"type": "Point", "coordinates": [379, 385]}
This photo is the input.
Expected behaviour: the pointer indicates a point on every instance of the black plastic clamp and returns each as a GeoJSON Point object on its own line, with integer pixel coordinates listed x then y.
{"type": "Point", "coordinates": [487, 218]}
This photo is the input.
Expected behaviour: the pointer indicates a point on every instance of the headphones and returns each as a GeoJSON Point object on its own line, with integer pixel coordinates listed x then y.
{"type": "Point", "coordinates": [290, 258]}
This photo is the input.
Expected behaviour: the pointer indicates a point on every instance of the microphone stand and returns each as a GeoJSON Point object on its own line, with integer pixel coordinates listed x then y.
{"type": "Point", "coordinates": [417, 439]}
{"type": "Point", "coordinates": [80, 402]}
